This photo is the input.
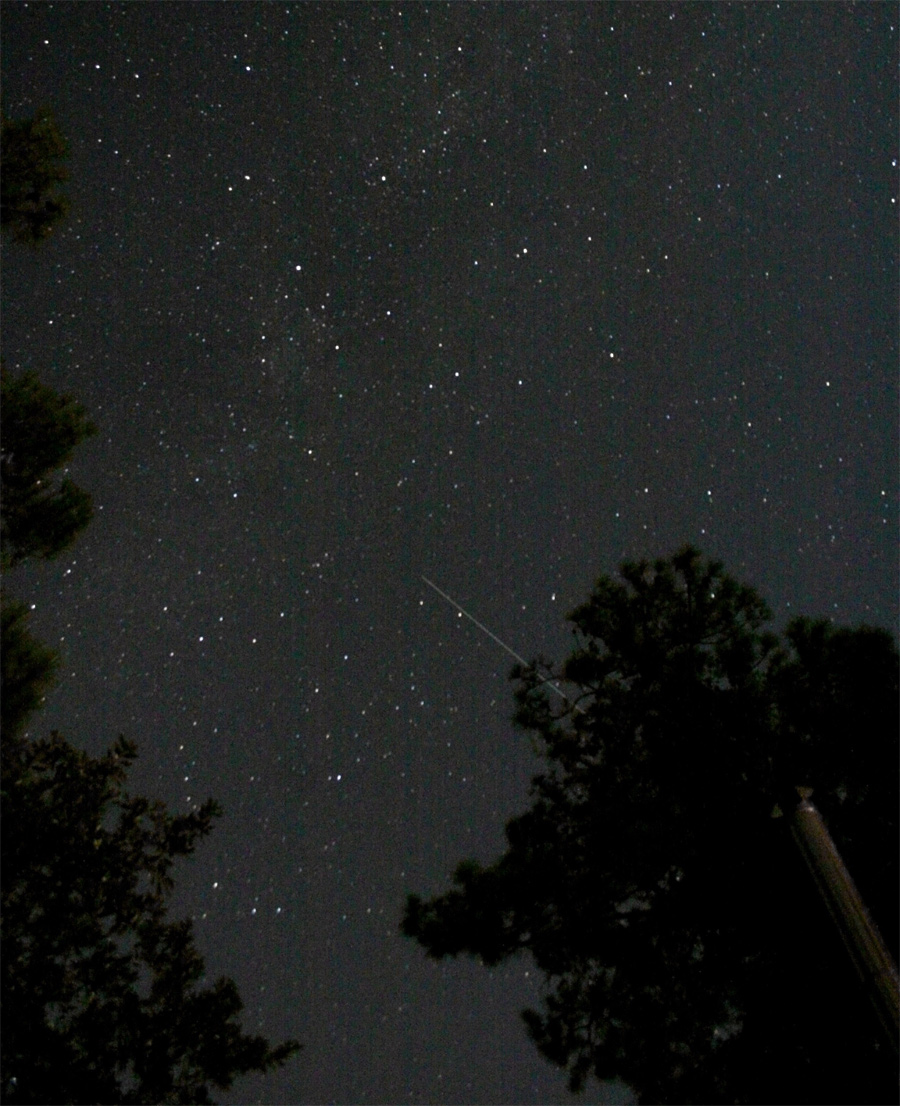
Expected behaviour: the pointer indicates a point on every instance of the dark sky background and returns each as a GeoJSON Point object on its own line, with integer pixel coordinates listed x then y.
{"type": "Point", "coordinates": [500, 295]}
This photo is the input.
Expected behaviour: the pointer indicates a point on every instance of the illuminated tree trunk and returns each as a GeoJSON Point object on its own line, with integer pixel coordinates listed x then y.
{"type": "Point", "coordinates": [859, 933]}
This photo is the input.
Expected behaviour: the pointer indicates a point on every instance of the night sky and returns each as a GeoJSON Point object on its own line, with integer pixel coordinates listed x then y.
{"type": "Point", "coordinates": [499, 295]}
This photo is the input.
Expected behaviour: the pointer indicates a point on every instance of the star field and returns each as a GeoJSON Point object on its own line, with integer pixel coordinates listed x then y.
{"type": "Point", "coordinates": [495, 294]}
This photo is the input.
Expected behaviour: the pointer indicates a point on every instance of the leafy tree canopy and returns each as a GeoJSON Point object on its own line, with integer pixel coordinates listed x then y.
{"type": "Point", "coordinates": [39, 429]}
{"type": "Point", "coordinates": [683, 946]}
{"type": "Point", "coordinates": [31, 151]}
{"type": "Point", "coordinates": [101, 993]}
{"type": "Point", "coordinates": [27, 669]}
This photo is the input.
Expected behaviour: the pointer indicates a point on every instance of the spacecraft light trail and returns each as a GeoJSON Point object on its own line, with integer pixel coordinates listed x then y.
{"type": "Point", "coordinates": [502, 644]}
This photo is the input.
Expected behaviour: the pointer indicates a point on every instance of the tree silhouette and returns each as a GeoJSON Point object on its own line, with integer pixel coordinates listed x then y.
{"type": "Point", "coordinates": [30, 154]}
{"type": "Point", "coordinates": [101, 994]}
{"type": "Point", "coordinates": [27, 668]}
{"type": "Point", "coordinates": [100, 991]}
{"type": "Point", "coordinates": [653, 882]}
{"type": "Point", "coordinates": [39, 429]}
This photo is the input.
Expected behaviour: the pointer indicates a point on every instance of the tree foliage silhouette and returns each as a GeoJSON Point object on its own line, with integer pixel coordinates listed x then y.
{"type": "Point", "coordinates": [102, 995]}
{"type": "Point", "coordinates": [683, 947]}
{"type": "Point", "coordinates": [100, 990]}
{"type": "Point", "coordinates": [31, 152]}
{"type": "Point", "coordinates": [27, 669]}
{"type": "Point", "coordinates": [39, 430]}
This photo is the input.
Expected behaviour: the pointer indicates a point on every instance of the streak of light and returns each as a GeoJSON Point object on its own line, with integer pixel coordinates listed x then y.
{"type": "Point", "coordinates": [494, 637]}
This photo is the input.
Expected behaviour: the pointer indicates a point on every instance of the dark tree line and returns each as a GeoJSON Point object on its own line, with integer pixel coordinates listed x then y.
{"type": "Point", "coordinates": [654, 880]}
{"type": "Point", "coordinates": [103, 996]}
{"type": "Point", "coordinates": [32, 152]}
{"type": "Point", "coordinates": [39, 430]}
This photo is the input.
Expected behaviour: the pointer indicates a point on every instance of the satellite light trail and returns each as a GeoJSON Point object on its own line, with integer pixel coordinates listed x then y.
{"type": "Point", "coordinates": [502, 644]}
